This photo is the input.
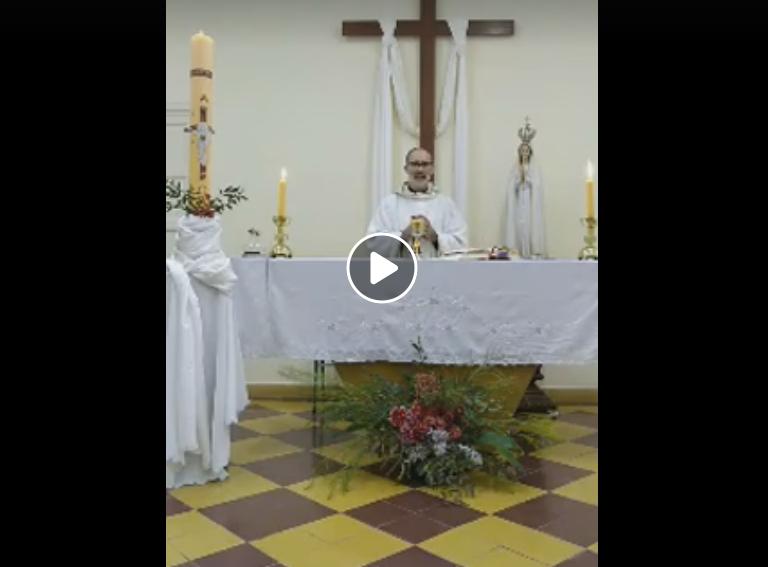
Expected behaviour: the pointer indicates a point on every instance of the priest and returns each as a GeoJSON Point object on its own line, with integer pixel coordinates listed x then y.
{"type": "Point", "coordinates": [442, 227]}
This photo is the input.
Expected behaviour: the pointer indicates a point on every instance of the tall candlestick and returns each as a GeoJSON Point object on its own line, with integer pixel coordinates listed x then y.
{"type": "Point", "coordinates": [590, 191]}
{"type": "Point", "coordinates": [281, 189]}
{"type": "Point", "coordinates": [201, 103]}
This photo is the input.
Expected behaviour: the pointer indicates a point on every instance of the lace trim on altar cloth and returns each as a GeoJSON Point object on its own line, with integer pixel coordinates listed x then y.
{"type": "Point", "coordinates": [450, 331]}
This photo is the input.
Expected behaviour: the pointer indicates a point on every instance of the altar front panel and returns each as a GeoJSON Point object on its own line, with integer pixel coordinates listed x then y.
{"type": "Point", "coordinates": [464, 312]}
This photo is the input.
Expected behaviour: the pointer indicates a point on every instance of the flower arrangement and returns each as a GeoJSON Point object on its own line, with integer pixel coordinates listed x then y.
{"type": "Point", "coordinates": [437, 431]}
{"type": "Point", "coordinates": [201, 205]}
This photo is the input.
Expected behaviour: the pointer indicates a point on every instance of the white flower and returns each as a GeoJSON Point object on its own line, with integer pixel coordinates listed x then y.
{"type": "Point", "coordinates": [439, 436]}
{"type": "Point", "coordinates": [416, 453]}
{"type": "Point", "coordinates": [472, 455]}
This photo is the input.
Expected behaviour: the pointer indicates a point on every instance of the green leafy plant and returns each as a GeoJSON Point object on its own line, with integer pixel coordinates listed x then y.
{"type": "Point", "coordinates": [436, 431]}
{"type": "Point", "coordinates": [202, 205]}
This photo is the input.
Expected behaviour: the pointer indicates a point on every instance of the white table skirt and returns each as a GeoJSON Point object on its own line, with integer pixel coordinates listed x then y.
{"type": "Point", "coordinates": [465, 312]}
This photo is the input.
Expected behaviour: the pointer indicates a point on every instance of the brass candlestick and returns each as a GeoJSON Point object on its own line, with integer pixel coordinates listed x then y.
{"type": "Point", "coordinates": [589, 252]}
{"type": "Point", "coordinates": [280, 248]}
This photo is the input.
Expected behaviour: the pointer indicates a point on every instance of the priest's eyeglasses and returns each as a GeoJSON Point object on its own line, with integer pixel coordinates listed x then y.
{"type": "Point", "coordinates": [419, 163]}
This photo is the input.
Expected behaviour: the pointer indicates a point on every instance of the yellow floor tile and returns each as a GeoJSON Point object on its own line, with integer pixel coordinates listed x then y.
{"type": "Point", "coordinates": [241, 483]}
{"type": "Point", "coordinates": [572, 454]}
{"type": "Point", "coordinates": [569, 431]}
{"type": "Point", "coordinates": [335, 529]}
{"type": "Point", "coordinates": [587, 461]}
{"type": "Point", "coordinates": [582, 490]}
{"type": "Point", "coordinates": [461, 550]}
{"type": "Point", "coordinates": [259, 449]}
{"type": "Point", "coordinates": [185, 523]}
{"type": "Point", "coordinates": [287, 406]}
{"type": "Point", "coordinates": [200, 545]}
{"type": "Point", "coordinates": [461, 544]}
{"type": "Point", "coordinates": [492, 495]}
{"type": "Point", "coordinates": [301, 550]}
{"type": "Point", "coordinates": [593, 547]}
{"type": "Point", "coordinates": [371, 546]}
{"type": "Point", "coordinates": [276, 424]}
{"type": "Point", "coordinates": [290, 547]}
{"type": "Point", "coordinates": [364, 488]}
{"type": "Point", "coordinates": [193, 536]}
{"type": "Point", "coordinates": [173, 556]}
{"type": "Point", "coordinates": [340, 541]}
{"type": "Point", "coordinates": [352, 451]}
{"type": "Point", "coordinates": [502, 557]}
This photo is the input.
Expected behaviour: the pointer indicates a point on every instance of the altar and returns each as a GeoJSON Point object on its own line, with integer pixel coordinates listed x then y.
{"type": "Point", "coordinates": [463, 313]}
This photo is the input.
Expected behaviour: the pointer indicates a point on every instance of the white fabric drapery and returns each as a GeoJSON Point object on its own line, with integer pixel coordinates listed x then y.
{"type": "Point", "coordinates": [204, 377]}
{"type": "Point", "coordinates": [391, 80]}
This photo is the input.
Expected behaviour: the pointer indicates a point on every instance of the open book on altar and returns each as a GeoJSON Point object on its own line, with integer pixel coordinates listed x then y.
{"type": "Point", "coordinates": [481, 254]}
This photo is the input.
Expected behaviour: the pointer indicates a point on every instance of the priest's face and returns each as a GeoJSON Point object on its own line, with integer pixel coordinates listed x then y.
{"type": "Point", "coordinates": [420, 169]}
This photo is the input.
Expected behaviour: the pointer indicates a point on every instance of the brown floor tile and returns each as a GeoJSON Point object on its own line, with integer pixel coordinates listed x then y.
{"type": "Point", "coordinates": [173, 506]}
{"type": "Point", "coordinates": [415, 528]}
{"type": "Point", "coordinates": [590, 440]}
{"type": "Point", "coordinates": [549, 475]}
{"type": "Point", "coordinates": [378, 513]}
{"type": "Point", "coordinates": [452, 514]}
{"type": "Point", "coordinates": [258, 516]}
{"type": "Point", "coordinates": [241, 556]}
{"type": "Point", "coordinates": [415, 500]}
{"type": "Point", "coordinates": [411, 557]}
{"type": "Point", "coordinates": [293, 468]}
{"type": "Point", "coordinates": [314, 437]}
{"type": "Point", "coordinates": [586, 559]}
{"type": "Point", "coordinates": [238, 433]}
{"type": "Point", "coordinates": [579, 528]}
{"type": "Point", "coordinates": [256, 412]}
{"type": "Point", "coordinates": [547, 509]}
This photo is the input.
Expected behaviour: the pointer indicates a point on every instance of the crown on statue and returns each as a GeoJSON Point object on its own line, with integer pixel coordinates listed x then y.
{"type": "Point", "coordinates": [526, 134]}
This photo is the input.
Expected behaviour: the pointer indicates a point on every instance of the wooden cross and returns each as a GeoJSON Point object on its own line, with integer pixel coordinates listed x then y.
{"type": "Point", "coordinates": [427, 29]}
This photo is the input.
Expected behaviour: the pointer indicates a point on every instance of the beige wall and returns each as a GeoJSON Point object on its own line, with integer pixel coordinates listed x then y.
{"type": "Point", "coordinates": [290, 90]}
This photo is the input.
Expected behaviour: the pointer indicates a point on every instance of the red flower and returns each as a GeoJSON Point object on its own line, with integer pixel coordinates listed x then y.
{"type": "Point", "coordinates": [440, 423]}
{"type": "Point", "coordinates": [397, 416]}
{"type": "Point", "coordinates": [448, 417]}
{"type": "Point", "coordinates": [430, 421]}
{"type": "Point", "coordinates": [417, 410]}
{"type": "Point", "coordinates": [455, 433]}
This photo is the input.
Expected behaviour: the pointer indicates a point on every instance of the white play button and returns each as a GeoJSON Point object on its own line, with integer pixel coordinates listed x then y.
{"type": "Point", "coordinates": [380, 268]}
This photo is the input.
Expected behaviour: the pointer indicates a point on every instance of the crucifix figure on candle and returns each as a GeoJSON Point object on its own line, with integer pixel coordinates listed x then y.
{"type": "Point", "coordinates": [204, 132]}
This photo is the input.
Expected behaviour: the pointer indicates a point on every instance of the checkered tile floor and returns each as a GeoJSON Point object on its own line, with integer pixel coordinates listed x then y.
{"type": "Point", "coordinates": [275, 510]}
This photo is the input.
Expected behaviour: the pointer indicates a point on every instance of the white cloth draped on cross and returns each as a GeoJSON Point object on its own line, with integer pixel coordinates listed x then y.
{"type": "Point", "coordinates": [204, 377]}
{"type": "Point", "coordinates": [454, 97]}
